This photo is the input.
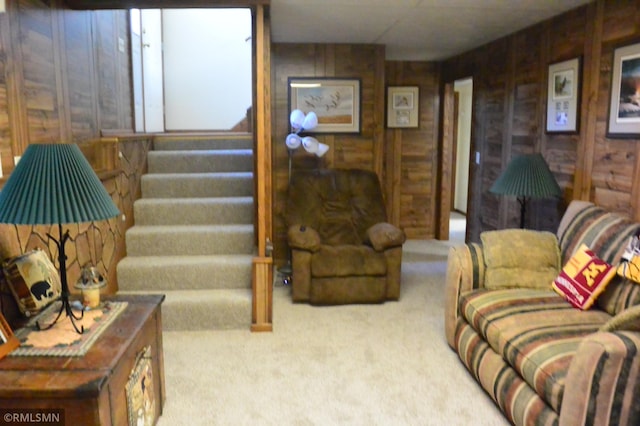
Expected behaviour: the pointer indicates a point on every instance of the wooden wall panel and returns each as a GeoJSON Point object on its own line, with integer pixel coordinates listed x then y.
{"type": "Point", "coordinates": [6, 158]}
{"type": "Point", "coordinates": [80, 68]}
{"type": "Point", "coordinates": [64, 79]}
{"type": "Point", "coordinates": [510, 78]}
{"type": "Point", "coordinates": [364, 150]}
{"type": "Point", "coordinates": [414, 175]}
{"type": "Point", "coordinates": [40, 89]}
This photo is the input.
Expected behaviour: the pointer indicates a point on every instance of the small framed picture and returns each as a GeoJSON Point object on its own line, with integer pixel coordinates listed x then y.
{"type": "Point", "coordinates": [624, 109]}
{"type": "Point", "coordinates": [8, 341]}
{"type": "Point", "coordinates": [563, 96]}
{"type": "Point", "coordinates": [402, 106]}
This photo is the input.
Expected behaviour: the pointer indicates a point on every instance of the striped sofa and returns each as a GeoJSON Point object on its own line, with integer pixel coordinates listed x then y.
{"type": "Point", "coordinates": [542, 361]}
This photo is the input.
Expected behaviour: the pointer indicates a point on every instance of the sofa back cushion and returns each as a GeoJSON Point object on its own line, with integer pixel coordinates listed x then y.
{"type": "Point", "coordinates": [520, 258]}
{"type": "Point", "coordinates": [606, 234]}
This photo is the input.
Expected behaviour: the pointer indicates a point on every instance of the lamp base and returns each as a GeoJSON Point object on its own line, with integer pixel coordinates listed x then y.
{"type": "Point", "coordinates": [287, 273]}
{"type": "Point", "coordinates": [66, 308]}
{"type": "Point", "coordinates": [64, 297]}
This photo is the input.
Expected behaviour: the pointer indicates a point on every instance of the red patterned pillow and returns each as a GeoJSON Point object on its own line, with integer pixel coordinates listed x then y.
{"type": "Point", "coordinates": [583, 278]}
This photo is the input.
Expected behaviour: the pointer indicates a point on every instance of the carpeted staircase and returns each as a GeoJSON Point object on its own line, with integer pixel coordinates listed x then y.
{"type": "Point", "coordinates": [193, 235]}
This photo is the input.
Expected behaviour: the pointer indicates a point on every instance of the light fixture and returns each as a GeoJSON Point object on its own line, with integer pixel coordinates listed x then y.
{"type": "Point", "coordinates": [55, 184]}
{"type": "Point", "coordinates": [527, 176]}
{"type": "Point", "coordinates": [300, 123]}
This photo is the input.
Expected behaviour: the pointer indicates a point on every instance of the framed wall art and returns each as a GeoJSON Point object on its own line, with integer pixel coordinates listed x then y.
{"type": "Point", "coordinates": [402, 106]}
{"type": "Point", "coordinates": [563, 95]}
{"type": "Point", "coordinates": [336, 102]}
{"type": "Point", "coordinates": [624, 110]}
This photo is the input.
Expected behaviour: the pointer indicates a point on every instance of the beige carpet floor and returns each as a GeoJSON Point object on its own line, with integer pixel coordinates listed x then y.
{"type": "Point", "coordinates": [383, 364]}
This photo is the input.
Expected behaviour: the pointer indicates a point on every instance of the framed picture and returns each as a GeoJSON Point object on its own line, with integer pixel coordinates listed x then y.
{"type": "Point", "coordinates": [402, 106]}
{"type": "Point", "coordinates": [8, 341]}
{"type": "Point", "coordinates": [336, 102]}
{"type": "Point", "coordinates": [624, 111]}
{"type": "Point", "coordinates": [563, 95]}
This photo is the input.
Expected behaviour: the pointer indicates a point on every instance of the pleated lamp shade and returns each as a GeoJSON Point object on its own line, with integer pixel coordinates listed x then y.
{"type": "Point", "coordinates": [527, 176]}
{"type": "Point", "coordinates": [54, 184]}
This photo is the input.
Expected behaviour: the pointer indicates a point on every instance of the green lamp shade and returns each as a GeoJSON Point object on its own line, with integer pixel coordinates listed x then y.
{"type": "Point", "coordinates": [527, 176]}
{"type": "Point", "coordinates": [54, 184]}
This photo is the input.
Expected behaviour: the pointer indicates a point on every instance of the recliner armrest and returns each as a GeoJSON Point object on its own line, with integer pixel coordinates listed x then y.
{"type": "Point", "coordinates": [384, 235]}
{"type": "Point", "coordinates": [303, 237]}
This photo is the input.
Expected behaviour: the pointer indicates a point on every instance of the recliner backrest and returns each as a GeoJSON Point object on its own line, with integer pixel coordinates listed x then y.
{"type": "Point", "coordinates": [341, 204]}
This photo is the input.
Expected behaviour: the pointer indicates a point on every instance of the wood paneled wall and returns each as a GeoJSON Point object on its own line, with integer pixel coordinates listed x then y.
{"type": "Point", "coordinates": [406, 160]}
{"type": "Point", "coordinates": [63, 75]}
{"type": "Point", "coordinates": [510, 80]}
{"type": "Point", "coordinates": [64, 78]}
{"type": "Point", "coordinates": [364, 150]}
{"type": "Point", "coordinates": [411, 155]}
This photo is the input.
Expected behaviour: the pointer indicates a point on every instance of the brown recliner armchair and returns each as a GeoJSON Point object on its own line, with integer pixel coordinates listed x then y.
{"type": "Point", "coordinates": [342, 249]}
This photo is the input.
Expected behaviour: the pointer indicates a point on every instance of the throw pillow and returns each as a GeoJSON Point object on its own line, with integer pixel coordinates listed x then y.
{"type": "Point", "coordinates": [520, 258]}
{"type": "Point", "coordinates": [583, 278]}
{"type": "Point", "coordinates": [33, 281]}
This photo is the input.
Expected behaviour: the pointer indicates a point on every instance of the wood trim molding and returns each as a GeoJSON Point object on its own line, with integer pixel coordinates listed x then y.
{"type": "Point", "coordinates": [159, 4]}
{"type": "Point", "coordinates": [589, 107]}
{"type": "Point", "coordinates": [445, 169]}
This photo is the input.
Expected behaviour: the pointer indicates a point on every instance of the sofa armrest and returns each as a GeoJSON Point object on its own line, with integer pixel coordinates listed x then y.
{"type": "Point", "coordinates": [303, 237]}
{"type": "Point", "coordinates": [628, 320]}
{"type": "Point", "coordinates": [384, 235]}
{"type": "Point", "coordinates": [603, 380]}
{"type": "Point", "coordinates": [465, 271]}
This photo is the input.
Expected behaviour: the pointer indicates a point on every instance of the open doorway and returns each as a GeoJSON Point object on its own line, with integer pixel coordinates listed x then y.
{"type": "Point", "coordinates": [192, 69]}
{"type": "Point", "coordinates": [463, 92]}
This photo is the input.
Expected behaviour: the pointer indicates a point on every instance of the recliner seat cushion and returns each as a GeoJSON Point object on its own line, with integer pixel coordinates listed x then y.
{"type": "Point", "coordinates": [347, 260]}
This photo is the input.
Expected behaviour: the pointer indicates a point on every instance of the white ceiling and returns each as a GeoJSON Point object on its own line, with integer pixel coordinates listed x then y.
{"type": "Point", "coordinates": [413, 30]}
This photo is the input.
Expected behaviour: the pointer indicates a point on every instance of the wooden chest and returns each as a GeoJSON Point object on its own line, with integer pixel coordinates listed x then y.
{"type": "Point", "coordinates": [89, 390]}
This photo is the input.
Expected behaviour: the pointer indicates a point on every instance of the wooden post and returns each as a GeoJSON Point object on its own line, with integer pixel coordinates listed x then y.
{"type": "Point", "coordinates": [261, 311]}
{"type": "Point", "coordinates": [262, 269]}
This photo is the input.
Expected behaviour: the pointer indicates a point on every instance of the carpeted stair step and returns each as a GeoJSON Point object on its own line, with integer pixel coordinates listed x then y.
{"type": "Point", "coordinates": [175, 185]}
{"type": "Point", "coordinates": [193, 211]}
{"type": "Point", "coordinates": [191, 143]}
{"type": "Point", "coordinates": [175, 240]}
{"type": "Point", "coordinates": [170, 273]}
{"type": "Point", "coordinates": [235, 160]}
{"type": "Point", "coordinates": [193, 238]}
{"type": "Point", "coordinates": [205, 309]}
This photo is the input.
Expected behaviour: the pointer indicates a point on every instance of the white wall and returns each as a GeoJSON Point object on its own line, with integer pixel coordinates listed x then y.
{"type": "Point", "coordinates": [465, 91]}
{"type": "Point", "coordinates": [207, 67]}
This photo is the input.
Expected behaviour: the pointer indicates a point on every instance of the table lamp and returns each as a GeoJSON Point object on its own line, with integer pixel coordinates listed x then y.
{"type": "Point", "coordinates": [54, 184]}
{"type": "Point", "coordinates": [527, 176]}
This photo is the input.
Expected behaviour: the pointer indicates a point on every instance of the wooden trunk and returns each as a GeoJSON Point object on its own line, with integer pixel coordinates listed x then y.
{"type": "Point", "coordinates": [90, 390]}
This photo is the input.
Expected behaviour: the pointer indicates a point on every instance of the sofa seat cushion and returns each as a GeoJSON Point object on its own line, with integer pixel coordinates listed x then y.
{"type": "Point", "coordinates": [535, 331]}
{"type": "Point", "coordinates": [347, 260]}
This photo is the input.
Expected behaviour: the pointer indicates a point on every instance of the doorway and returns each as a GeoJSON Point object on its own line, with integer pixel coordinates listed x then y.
{"type": "Point", "coordinates": [462, 145]}
{"type": "Point", "coordinates": [192, 69]}
{"type": "Point", "coordinates": [461, 157]}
